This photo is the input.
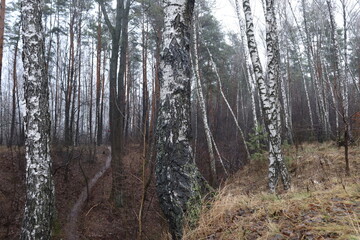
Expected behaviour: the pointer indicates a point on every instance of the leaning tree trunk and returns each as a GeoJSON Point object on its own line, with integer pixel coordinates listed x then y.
{"type": "Point", "coordinates": [39, 206]}
{"type": "Point", "coordinates": [179, 183]}
{"type": "Point", "coordinates": [242, 135]}
{"type": "Point", "coordinates": [201, 101]}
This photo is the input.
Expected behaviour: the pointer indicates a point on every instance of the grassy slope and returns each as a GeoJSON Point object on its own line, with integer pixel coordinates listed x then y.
{"type": "Point", "coordinates": [322, 204]}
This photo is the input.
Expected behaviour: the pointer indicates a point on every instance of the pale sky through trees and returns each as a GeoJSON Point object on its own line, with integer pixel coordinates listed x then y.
{"type": "Point", "coordinates": [224, 11]}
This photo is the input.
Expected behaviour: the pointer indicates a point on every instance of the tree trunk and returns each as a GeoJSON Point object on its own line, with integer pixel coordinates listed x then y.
{"type": "Point", "coordinates": [273, 74]}
{"type": "Point", "coordinates": [2, 28]}
{"type": "Point", "coordinates": [179, 183]}
{"type": "Point", "coordinates": [57, 77]}
{"type": "Point", "coordinates": [39, 207]}
{"type": "Point", "coordinates": [339, 85]}
{"type": "Point", "coordinates": [201, 101]}
{"type": "Point", "coordinates": [13, 115]}
{"type": "Point", "coordinates": [70, 83]}
{"type": "Point", "coordinates": [268, 94]}
{"type": "Point", "coordinates": [117, 93]}
{"type": "Point", "coordinates": [92, 136]}
{"type": "Point", "coordinates": [79, 76]}
{"type": "Point", "coordinates": [145, 93]}
{"type": "Point", "coordinates": [228, 105]}
{"type": "Point", "coordinates": [315, 80]}
{"type": "Point", "coordinates": [98, 79]}
{"type": "Point", "coordinates": [101, 115]}
{"type": "Point", "coordinates": [250, 76]}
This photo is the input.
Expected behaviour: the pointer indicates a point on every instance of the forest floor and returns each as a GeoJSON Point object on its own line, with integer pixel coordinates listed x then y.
{"type": "Point", "coordinates": [79, 216]}
{"type": "Point", "coordinates": [323, 203]}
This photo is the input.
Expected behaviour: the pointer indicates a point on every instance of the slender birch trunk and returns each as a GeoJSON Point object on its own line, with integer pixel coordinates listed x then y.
{"type": "Point", "coordinates": [320, 109]}
{"type": "Point", "coordinates": [268, 93]}
{"type": "Point", "coordinates": [273, 74]}
{"type": "Point", "coordinates": [201, 101]}
{"type": "Point", "coordinates": [39, 207]}
{"type": "Point", "coordinates": [298, 56]}
{"type": "Point", "coordinates": [250, 75]}
{"type": "Point", "coordinates": [288, 124]}
{"type": "Point", "coordinates": [346, 85]}
{"type": "Point", "coordinates": [228, 104]}
{"type": "Point", "coordinates": [340, 86]}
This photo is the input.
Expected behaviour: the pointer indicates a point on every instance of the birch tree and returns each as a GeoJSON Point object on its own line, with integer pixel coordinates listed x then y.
{"type": "Point", "coordinates": [179, 183]}
{"type": "Point", "coordinates": [39, 205]}
{"type": "Point", "coordinates": [242, 135]}
{"type": "Point", "coordinates": [268, 92]}
{"type": "Point", "coordinates": [201, 101]}
{"type": "Point", "coordinates": [250, 75]}
{"type": "Point", "coordinates": [339, 86]}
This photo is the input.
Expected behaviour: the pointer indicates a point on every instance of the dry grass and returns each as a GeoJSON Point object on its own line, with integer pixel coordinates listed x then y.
{"type": "Point", "coordinates": [322, 204]}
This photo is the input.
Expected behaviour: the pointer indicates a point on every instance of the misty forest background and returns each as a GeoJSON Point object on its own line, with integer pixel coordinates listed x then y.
{"type": "Point", "coordinates": [318, 85]}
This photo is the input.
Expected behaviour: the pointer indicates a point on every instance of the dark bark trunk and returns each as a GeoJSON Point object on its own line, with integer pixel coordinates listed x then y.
{"type": "Point", "coordinates": [2, 28]}
{"type": "Point", "coordinates": [13, 115]}
{"type": "Point", "coordinates": [79, 78]}
{"type": "Point", "coordinates": [117, 93]}
{"type": "Point", "coordinates": [98, 81]}
{"type": "Point", "coordinates": [145, 94]}
{"type": "Point", "coordinates": [70, 86]}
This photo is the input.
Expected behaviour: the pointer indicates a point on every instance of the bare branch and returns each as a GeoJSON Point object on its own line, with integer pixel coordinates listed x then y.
{"type": "Point", "coordinates": [106, 17]}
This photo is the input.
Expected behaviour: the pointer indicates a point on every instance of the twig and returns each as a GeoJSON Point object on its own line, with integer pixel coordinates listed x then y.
{"type": "Point", "coordinates": [92, 209]}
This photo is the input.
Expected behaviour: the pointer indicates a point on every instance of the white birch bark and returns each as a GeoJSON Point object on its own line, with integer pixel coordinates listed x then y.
{"type": "Point", "coordinates": [180, 186]}
{"type": "Point", "coordinates": [346, 86]}
{"type": "Point", "coordinates": [333, 98]}
{"type": "Point", "coordinates": [339, 83]}
{"type": "Point", "coordinates": [298, 55]}
{"type": "Point", "coordinates": [285, 84]}
{"type": "Point", "coordinates": [268, 93]}
{"type": "Point", "coordinates": [273, 75]}
{"type": "Point", "coordinates": [39, 207]}
{"type": "Point", "coordinates": [287, 115]}
{"type": "Point", "coordinates": [250, 75]}
{"type": "Point", "coordinates": [228, 105]}
{"type": "Point", "coordinates": [202, 105]}
{"type": "Point", "coordinates": [340, 86]}
{"type": "Point", "coordinates": [320, 109]}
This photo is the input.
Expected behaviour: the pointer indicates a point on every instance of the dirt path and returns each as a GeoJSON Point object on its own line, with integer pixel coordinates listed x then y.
{"type": "Point", "coordinates": [71, 225]}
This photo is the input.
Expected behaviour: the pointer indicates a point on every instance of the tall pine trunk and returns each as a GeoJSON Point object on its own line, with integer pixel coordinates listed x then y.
{"type": "Point", "coordinates": [13, 115]}
{"type": "Point", "coordinates": [2, 28]}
